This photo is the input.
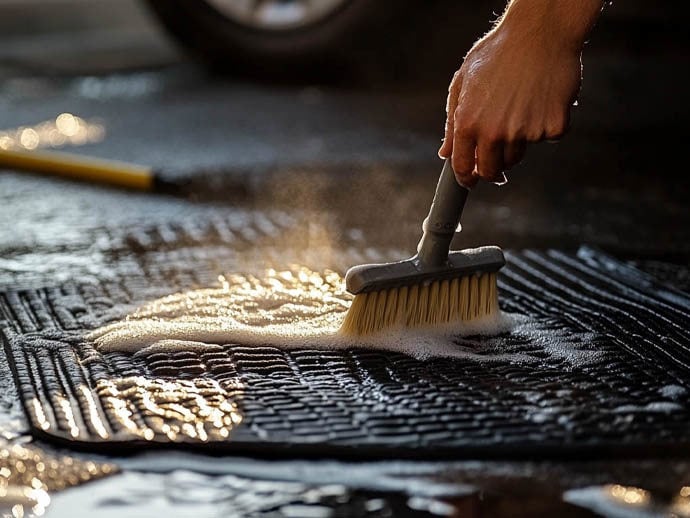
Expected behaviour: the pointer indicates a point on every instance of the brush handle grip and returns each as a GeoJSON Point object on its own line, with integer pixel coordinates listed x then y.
{"type": "Point", "coordinates": [444, 215]}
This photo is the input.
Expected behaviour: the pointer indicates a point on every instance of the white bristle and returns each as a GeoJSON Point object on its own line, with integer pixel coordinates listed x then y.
{"type": "Point", "coordinates": [431, 304]}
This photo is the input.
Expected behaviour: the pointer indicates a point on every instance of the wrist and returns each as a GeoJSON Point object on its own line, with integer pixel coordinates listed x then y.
{"type": "Point", "coordinates": [561, 25]}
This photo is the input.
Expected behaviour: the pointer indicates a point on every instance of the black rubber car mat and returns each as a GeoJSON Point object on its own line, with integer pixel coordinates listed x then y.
{"type": "Point", "coordinates": [600, 367]}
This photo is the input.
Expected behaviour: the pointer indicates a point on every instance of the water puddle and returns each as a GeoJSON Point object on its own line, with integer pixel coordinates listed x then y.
{"type": "Point", "coordinates": [620, 501]}
{"type": "Point", "coordinates": [28, 476]}
{"type": "Point", "coordinates": [185, 493]}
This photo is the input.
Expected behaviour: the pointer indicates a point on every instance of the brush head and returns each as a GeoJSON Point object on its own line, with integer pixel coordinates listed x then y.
{"type": "Point", "coordinates": [409, 294]}
{"type": "Point", "coordinates": [376, 277]}
{"type": "Point", "coordinates": [430, 304]}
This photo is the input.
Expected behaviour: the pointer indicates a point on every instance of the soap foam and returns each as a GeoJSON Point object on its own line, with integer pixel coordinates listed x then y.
{"type": "Point", "coordinates": [295, 308]}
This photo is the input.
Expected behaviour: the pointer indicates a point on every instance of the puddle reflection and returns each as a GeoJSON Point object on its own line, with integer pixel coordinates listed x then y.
{"type": "Point", "coordinates": [633, 496]}
{"type": "Point", "coordinates": [680, 505]}
{"type": "Point", "coordinates": [621, 500]}
{"type": "Point", "coordinates": [28, 475]}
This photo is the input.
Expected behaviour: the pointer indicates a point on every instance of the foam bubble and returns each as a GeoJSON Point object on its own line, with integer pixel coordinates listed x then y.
{"type": "Point", "coordinates": [295, 308]}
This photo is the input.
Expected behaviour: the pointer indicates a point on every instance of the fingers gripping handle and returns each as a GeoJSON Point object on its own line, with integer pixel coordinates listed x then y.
{"type": "Point", "coordinates": [444, 215]}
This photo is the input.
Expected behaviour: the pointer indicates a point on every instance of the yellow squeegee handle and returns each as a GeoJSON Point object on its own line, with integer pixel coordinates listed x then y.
{"type": "Point", "coordinates": [79, 167]}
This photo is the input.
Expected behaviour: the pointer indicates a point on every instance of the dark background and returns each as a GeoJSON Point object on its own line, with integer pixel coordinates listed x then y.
{"type": "Point", "coordinates": [618, 180]}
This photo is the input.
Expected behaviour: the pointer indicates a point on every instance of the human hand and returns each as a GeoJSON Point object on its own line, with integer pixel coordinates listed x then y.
{"type": "Point", "coordinates": [515, 86]}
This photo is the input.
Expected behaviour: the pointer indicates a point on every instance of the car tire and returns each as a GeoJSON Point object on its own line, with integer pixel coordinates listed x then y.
{"type": "Point", "coordinates": [358, 32]}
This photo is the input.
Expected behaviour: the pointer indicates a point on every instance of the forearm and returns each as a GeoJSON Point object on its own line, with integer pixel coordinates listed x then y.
{"type": "Point", "coordinates": [563, 22]}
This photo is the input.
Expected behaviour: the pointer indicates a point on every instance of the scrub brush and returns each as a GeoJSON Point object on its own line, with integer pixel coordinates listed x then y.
{"type": "Point", "coordinates": [435, 286]}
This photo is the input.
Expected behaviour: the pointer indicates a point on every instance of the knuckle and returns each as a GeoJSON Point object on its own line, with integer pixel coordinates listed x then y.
{"type": "Point", "coordinates": [514, 134]}
{"type": "Point", "coordinates": [461, 165]}
{"type": "Point", "coordinates": [464, 124]}
{"type": "Point", "coordinates": [463, 130]}
{"type": "Point", "coordinates": [494, 137]}
{"type": "Point", "coordinates": [460, 114]}
{"type": "Point", "coordinates": [489, 139]}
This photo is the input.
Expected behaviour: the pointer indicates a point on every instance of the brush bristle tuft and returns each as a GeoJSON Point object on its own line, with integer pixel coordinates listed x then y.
{"type": "Point", "coordinates": [439, 302]}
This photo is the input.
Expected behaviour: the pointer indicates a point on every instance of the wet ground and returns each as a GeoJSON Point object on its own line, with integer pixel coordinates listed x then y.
{"type": "Point", "coordinates": [325, 176]}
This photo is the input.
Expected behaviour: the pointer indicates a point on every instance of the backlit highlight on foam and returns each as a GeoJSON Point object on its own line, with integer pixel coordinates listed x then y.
{"type": "Point", "coordinates": [293, 308]}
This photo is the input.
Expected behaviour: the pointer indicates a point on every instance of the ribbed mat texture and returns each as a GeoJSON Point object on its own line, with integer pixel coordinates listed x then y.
{"type": "Point", "coordinates": [598, 364]}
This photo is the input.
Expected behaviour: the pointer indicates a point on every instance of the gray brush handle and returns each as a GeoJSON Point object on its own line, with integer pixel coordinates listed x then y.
{"type": "Point", "coordinates": [444, 215]}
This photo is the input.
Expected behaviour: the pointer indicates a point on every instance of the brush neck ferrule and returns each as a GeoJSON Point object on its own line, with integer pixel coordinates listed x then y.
{"type": "Point", "coordinates": [444, 216]}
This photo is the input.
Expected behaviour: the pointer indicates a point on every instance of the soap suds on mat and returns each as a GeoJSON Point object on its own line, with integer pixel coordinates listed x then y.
{"type": "Point", "coordinates": [295, 308]}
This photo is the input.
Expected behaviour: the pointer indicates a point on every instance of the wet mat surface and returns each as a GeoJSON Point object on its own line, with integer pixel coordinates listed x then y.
{"type": "Point", "coordinates": [597, 364]}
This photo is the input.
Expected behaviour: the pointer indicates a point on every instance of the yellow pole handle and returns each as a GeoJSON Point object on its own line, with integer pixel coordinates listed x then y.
{"type": "Point", "coordinates": [79, 167]}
